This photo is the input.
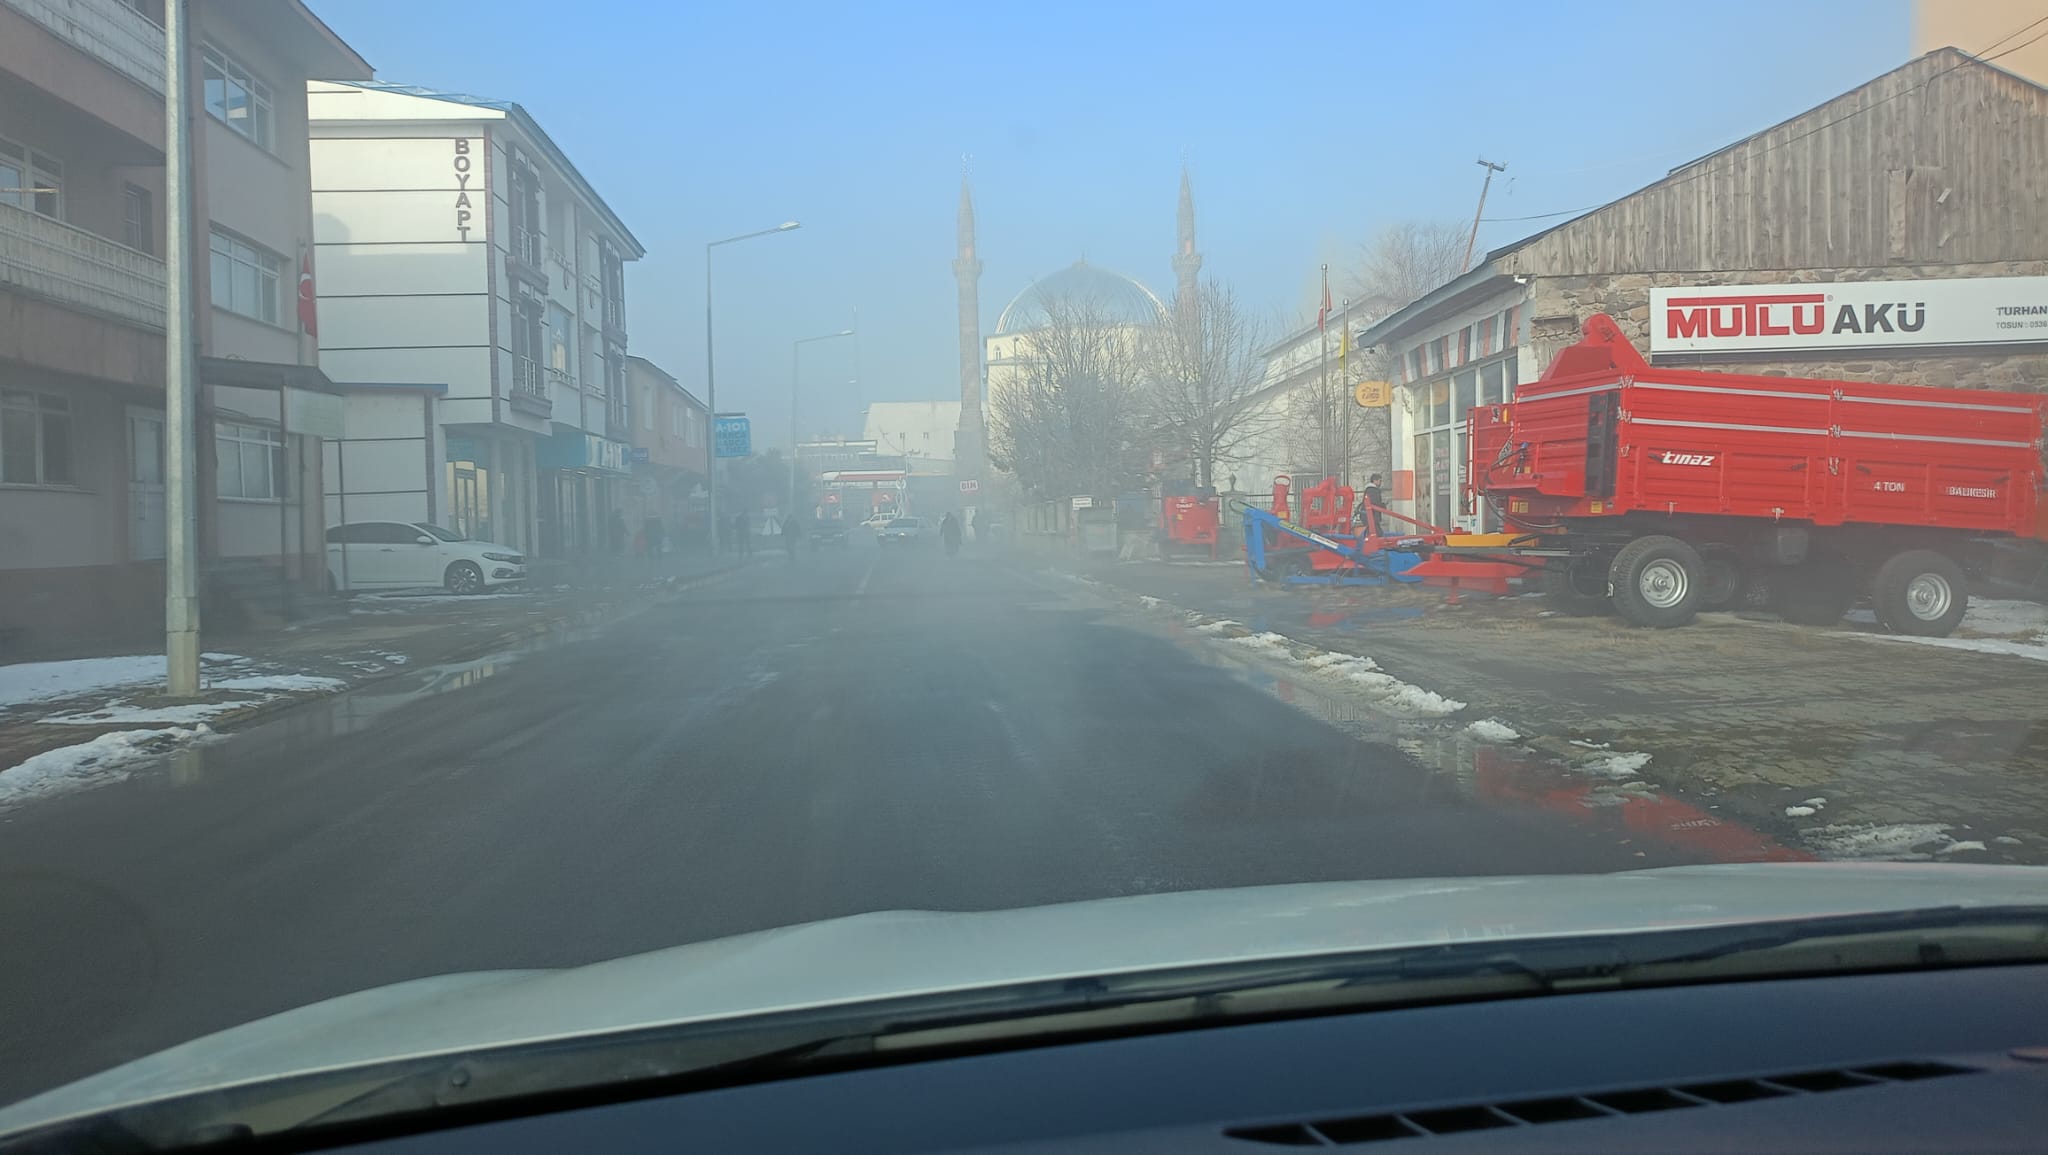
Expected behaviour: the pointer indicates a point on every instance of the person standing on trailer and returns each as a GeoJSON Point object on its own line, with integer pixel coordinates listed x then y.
{"type": "Point", "coordinates": [1368, 515]}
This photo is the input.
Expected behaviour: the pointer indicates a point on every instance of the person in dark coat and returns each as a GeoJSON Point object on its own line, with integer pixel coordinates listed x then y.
{"type": "Point", "coordinates": [742, 536]}
{"type": "Point", "coordinates": [1369, 511]}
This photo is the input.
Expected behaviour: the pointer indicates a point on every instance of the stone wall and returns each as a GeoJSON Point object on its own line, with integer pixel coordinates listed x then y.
{"type": "Point", "coordinates": [1560, 306]}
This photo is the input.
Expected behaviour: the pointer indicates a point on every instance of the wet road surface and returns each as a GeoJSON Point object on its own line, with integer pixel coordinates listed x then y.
{"type": "Point", "coordinates": [870, 729]}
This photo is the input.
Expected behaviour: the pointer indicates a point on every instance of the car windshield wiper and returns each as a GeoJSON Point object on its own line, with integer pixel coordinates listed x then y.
{"type": "Point", "coordinates": [446, 1089]}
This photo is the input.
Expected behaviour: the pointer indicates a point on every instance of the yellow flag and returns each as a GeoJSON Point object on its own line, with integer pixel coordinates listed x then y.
{"type": "Point", "coordinates": [1343, 346]}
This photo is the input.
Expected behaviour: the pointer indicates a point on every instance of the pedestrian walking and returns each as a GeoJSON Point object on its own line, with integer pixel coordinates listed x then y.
{"type": "Point", "coordinates": [1369, 513]}
{"type": "Point", "coordinates": [618, 533]}
{"type": "Point", "coordinates": [742, 537]}
{"type": "Point", "coordinates": [792, 535]}
{"type": "Point", "coordinates": [949, 531]}
{"type": "Point", "coordinates": [980, 526]}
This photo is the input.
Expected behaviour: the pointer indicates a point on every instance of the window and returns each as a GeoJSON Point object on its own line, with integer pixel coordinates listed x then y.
{"type": "Point", "coordinates": [35, 438]}
{"type": "Point", "coordinates": [245, 278]}
{"type": "Point", "coordinates": [675, 421]}
{"type": "Point", "coordinates": [249, 460]}
{"type": "Point", "coordinates": [235, 98]}
{"type": "Point", "coordinates": [31, 180]}
{"type": "Point", "coordinates": [561, 348]}
{"type": "Point", "coordinates": [137, 221]}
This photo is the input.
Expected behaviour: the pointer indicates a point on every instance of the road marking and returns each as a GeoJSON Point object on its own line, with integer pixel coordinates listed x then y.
{"type": "Point", "coordinates": [863, 586]}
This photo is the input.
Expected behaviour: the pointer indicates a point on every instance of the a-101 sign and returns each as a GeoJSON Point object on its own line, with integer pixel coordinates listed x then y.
{"type": "Point", "coordinates": [1957, 311]}
{"type": "Point", "coordinates": [732, 436]}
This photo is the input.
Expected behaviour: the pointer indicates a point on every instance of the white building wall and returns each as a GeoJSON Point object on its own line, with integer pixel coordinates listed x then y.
{"type": "Point", "coordinates": [387, 467]}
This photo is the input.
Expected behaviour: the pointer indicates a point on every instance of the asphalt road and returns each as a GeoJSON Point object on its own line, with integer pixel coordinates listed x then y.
{"type": "Point", "coordinates": [867, 730]}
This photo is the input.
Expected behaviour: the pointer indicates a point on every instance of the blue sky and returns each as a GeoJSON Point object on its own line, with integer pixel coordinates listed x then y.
{"type": "Point", "coordinates": [1306, 127]}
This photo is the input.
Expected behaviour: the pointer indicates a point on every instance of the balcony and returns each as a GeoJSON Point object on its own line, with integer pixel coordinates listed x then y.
{"type": "Point", "coordinates": [52, 260]}
{"type": "Point", "coordinates": [106, 30]}
{"type": "Point", "coordinates": [526, 257]}
{"type": "Point", "coordinates": [530, 388]}
{"type": "Point", "coordinates": [615, 319]}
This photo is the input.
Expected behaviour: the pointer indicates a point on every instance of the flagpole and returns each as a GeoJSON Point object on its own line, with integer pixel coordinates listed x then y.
{"type": "Point", "coordinates": [1344, 387]}
{"type": "Point", "coordinates": [1322, 328]}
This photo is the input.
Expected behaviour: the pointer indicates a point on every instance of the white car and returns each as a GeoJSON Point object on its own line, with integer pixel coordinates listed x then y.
{"type": "Point", "coordinates": [383, 555]}
{"type": "Point", "coordinates": [877, 521]}
{"type": "Point", "coordinates": [904, 529]}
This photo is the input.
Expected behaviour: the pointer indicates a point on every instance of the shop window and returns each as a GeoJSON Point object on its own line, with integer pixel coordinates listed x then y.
{"type": "Point", "coordinates": [249, 462]}
{"type": "Point", "coordinates": [1467, 397]}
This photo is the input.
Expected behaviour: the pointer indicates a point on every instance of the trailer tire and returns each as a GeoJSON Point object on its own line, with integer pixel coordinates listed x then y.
{"type": "Point", "coordinates": [1920, 592]}
{"type": "Point", "coordinates": [1816, 592]}
{"type": "Point", "coordinates": [1721, 581]}
{"type": "Point", "coordinates": [1657, 581]}
{"type": "Point", "coordinates": [1577, 589]}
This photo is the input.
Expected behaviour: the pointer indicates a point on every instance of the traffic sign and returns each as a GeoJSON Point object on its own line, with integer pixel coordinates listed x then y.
{"type": "Point", "coordinates": [733, 436]}
{"type": "Point", "coordinates": [1374, 394]}
{"type": "Point", "coordinates": [969, 485]}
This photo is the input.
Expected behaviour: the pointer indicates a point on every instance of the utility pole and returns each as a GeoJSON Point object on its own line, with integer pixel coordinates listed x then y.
{"type": "Point", "coordinates": [181, 483]}
{"type": "Point", "coordinates": [1473, 240]}
{"type": "Point", "coordinates": [1323, 392]}
{"type": "Point", "coordinates": [1344, 391]}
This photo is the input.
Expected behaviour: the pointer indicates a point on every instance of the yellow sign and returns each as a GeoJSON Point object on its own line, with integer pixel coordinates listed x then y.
{"type": "Point", "coordinates": [1374, 394]}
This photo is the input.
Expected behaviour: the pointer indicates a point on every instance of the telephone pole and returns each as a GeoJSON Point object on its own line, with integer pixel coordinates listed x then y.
{"type": "Point", "coordinates": [181, 482]}
{"type": "Point", "coordinates": [1473, 240]}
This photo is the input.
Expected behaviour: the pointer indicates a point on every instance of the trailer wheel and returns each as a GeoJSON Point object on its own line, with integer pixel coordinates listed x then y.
{"type": "Point", "coordinates": [1720, 581]}
{"type": "Point", "coordinates": [1656, 581]}
{"type": "Point", "coordinates": [1577, 588]}
{"type": "Point", "coordinates": [1816, 592]}
{"type": "Point", "coordinates": [1920, 592]}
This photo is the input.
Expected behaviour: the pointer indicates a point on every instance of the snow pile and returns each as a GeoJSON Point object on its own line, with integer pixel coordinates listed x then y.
{"type": "Point", "coordinates": [2015, 628]}
{"type": "Point", "coordinates": [1492, 730]}
{"type": "Point", "coordinates": [1269, 644]}
{"type": "Point", "coordinates": [1220, 625]}
{"type": "Point", "coordinates": [1799, 812]}
{"type": "Point", "coordinates": [42, 681]}
{"type": "Point", "coordinates": [1861, 841]}
{"type": "Point", "coordinates": [107, 758]}
{"type": "Point", "coordinates": [1149, 602]}
{"type": "Point", "coordinates": [1617, 766]}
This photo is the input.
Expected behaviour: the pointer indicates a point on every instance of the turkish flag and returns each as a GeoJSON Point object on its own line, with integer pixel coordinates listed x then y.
{"type": "Point", "coordinates": [309, 318]}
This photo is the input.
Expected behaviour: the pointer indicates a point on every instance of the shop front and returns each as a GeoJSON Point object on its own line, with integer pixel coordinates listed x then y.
{"type": "Point", "coordinates": [583, 479]}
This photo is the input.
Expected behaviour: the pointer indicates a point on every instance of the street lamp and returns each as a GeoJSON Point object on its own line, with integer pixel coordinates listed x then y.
{"type": "Point", "coordinates": [794, 348]}
{"type": "Point", "coordinates": [711, 377]}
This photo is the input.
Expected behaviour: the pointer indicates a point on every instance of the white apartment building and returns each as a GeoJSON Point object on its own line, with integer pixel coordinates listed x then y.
{"type": "Point", "coordinates": [472, 305]}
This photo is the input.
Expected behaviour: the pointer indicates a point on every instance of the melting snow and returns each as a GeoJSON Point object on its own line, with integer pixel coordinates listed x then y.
{"type": "Point", "coordinates": [107, 758]}
{"type": "Point", "coordinates": [1492, 730]}
{"type": "Point", "coordinates": [1799, 811]}
{"type": "Point", "coordinates": [1361, 672]}
{"type": "Point", "coordinates": [1220, 625]}
{"type": "Point", "coordinates": [26, 682]}
{"type": "Point", "coordinates": [1903, 840]}
{"type": "Point", "coordinates": [1149, 602]}
{"type": "Point", "coordinates": [1616, 765]}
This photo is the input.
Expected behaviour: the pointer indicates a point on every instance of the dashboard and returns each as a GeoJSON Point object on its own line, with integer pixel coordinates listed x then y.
{"type": "Point", "coordinates": [1925, 1061]}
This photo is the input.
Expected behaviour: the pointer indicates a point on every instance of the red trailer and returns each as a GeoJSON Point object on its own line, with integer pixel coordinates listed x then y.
{"type": "Point", "coordinates": [1666, 491]}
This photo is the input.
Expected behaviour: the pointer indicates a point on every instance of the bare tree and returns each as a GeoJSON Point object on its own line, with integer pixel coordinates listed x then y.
{"type": "Point", "coordinates": [1066, 416]}
{"type": "Point", "coordinates": [1327, 429]}
{"type": "Point", "coordinates": [1402, 262]}
{"type": "Point", "coordinates": [1204, 363]}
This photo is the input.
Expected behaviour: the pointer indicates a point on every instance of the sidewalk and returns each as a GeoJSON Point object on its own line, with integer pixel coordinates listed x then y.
{"type": "Point", "coordinates": [64, 721]}
{"type": "Point", "coordinates": [1845, 740]}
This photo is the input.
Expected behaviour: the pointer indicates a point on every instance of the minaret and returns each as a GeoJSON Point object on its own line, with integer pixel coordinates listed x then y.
{"type": "Point", "coordinates": [1186, 261]}
{"type": "Point", "coordinates": [970, 441]}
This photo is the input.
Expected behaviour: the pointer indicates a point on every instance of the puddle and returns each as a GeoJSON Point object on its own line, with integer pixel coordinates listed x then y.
{"type": "Point", "coordinates": [1495, 774]}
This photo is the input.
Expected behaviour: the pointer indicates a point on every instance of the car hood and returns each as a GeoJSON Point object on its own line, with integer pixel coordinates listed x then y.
{"type": "Point", "coordinates": [900, 953]}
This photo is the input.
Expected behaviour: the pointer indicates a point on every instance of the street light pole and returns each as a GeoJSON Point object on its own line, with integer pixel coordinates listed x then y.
{"type": "Point", "coordinates": [181, 577]}
{"type": "Point", "coordinates": [794, 348]}
{"type": "Point", "coordinates": [711, 378]}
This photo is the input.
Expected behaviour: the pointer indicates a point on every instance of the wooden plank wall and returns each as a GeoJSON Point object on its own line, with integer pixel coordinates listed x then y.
{"type": "Point", "coordinates": [1943, 161]}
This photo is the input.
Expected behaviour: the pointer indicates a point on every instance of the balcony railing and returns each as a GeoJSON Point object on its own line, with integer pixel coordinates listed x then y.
{"type": "Point", "coordinates": [50, 259]}
{"type": "Point", "coordinates": [529, 388]}
{"type": "Point", "coordinates": [108, 31]}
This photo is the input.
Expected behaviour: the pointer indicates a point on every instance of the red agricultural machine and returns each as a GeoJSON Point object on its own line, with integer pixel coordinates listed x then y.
{"type": "Point", "coordinates": [1661, 492]}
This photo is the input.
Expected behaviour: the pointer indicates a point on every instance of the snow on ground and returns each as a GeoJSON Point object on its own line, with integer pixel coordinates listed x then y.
{"type": "Point", "coordinates": [1902, 840]}
{"type": "Point", "coordinates": [2002, 625]}
{"type": "Point", "coordinates": [1361, 673]}
{"type": "Point", "coordinates": [283, 683]}
{"type": "Point", "coordinates": [27, 682]}
{"type": "Point", "coordinates": [107, 758]}
{"type": "Point", "coordinates": [1616, 766]}
{"type": "Point", "coordinates": [1220, 625]}
{"type": "Point", "coordinates": [1492, 730]}
{"type": "Point", "coordinates": [1799, 811]}
{"type": "Point", "coordinates": [1149, 602]}
{"type": "Point", "coordinates": [130, 714]}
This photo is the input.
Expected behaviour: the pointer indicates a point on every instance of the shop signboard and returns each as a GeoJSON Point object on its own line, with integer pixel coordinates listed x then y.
{"type": "Point", "coordinates": [1849, 315]}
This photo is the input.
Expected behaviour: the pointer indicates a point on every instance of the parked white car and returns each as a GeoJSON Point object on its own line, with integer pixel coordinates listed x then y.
{"type": "Point", "coordinates": [878, 520]}
{"type": "Point", "coordinates": [382, 555]}
{"type": "Point", "coordinates": [901, 530]}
